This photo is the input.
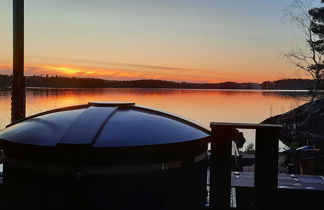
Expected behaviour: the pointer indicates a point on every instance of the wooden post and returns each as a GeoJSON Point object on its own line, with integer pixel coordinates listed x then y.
{"type": "Point", "coordinates": [266, 167]}
{"type": "Point", "coordinates": [18, 98]}
{"type": "Point", "coordinates": [220, 170]}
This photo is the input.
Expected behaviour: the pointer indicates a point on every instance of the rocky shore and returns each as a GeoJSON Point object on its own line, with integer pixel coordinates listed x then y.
{"type": "Point", "coordinates": [304, 123]}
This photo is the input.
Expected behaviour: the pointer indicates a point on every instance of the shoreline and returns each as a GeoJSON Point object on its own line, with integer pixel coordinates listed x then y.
{"type": "Point", "coordinates": [165, 88]}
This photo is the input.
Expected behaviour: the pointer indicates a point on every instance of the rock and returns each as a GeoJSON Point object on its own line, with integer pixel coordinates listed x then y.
{"type": "Point", "coordinates": [304, 123]}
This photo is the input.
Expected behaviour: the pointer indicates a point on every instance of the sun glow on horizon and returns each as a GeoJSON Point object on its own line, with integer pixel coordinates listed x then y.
{"type": "Point", "coordinates": [69, 70]}
{"type": "Point", "coordinates": [188, 75]}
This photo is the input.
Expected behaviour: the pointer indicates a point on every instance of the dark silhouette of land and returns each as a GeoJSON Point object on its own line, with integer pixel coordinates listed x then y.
{"type": "Point", "coordinates": [75, 82]}
{"type": "Point", "coordinates": [289, 84]}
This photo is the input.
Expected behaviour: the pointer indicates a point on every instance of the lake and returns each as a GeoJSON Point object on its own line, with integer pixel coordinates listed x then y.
{"type": "Point", "coordinates": [201, 106]}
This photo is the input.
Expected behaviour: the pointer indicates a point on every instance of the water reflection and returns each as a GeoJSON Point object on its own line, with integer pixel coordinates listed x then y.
{"type": "Point", "coordinates": [203, 106]}
{"type": "Point", "coordinates": [303, 95]}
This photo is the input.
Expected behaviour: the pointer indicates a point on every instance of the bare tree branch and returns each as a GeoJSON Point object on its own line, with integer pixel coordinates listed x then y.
{"type": "Point", "coordinates": [310, 59]}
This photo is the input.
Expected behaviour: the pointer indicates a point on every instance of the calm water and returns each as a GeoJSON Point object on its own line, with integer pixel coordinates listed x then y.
{"type": "Point", "coordinates": [202, 106]}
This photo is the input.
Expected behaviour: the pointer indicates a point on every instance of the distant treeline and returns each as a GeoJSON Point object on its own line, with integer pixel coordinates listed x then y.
{"type": "Point", "coordinates": [5, 80]}
{"type": "Point", "coordinates": [74, 82]}
{"type": "Point", "coordinates": [147, 83]}
{"type": "Point", "coordinates": [289, 84]}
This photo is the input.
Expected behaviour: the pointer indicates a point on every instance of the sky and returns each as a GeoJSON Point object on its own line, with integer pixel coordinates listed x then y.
{"type": "Point", "coordinates": [178, 40]}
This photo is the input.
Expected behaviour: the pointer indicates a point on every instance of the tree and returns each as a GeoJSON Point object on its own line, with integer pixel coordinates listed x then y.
{"type": "Point", "coordinates": [310, 57]}
{"type": "Point", "coordinates": [317, 27]}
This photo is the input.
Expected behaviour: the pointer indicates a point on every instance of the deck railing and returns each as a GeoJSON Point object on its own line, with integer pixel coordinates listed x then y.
{"type": "Point", "coordinates": [266, 163]}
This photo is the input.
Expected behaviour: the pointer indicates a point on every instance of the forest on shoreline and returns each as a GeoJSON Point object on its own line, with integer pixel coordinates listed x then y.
{"type": "Point", "coordinates": [76, 82]}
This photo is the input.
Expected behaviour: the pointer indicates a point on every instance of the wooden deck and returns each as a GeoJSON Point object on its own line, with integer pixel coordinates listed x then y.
{"type": "Point", "coordinates": [285, 181]}
{"type": "Point", "coordinates": [295, 191]}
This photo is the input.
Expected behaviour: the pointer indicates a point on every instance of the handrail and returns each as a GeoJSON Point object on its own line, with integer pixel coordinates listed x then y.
{"type": "Point", "coordinates": [266, 163]}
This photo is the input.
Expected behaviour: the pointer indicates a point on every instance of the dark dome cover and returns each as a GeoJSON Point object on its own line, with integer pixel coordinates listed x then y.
{"type": "Point", "coordinates": [103, 125]}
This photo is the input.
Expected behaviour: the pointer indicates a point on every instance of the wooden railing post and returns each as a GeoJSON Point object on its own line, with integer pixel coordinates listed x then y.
{"type": "Point", "coordinates": [220, 173]}
{"type": "Point", "coordinates": [266, 167]}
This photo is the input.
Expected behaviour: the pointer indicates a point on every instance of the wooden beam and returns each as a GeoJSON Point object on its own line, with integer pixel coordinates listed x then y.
{"type": "Point", "coordinates": [244, 125]}
{"type": "Point", "coordinates": [18, 103]}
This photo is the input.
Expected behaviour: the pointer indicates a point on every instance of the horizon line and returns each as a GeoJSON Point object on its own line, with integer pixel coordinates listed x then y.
{"type": "Point", "coordinates": [227, 81]}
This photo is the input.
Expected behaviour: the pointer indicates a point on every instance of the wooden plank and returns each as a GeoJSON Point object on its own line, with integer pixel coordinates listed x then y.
{"type": "Point", "coordinates": [244, 125]}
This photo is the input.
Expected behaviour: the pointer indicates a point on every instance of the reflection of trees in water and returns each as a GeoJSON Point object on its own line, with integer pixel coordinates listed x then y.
{"type": "Point", "coordinates": [99, 91]}
{"type": "Point", "coordinates": [5, 93]}
{"type": "Point", "coordinates": [237, 92]}
{"type": "Point", "coordinates": [4, 107]}
{"type": "Point", "coordinates": [134, 91]}
{"type": "Point", "coordinates": [157, 91]}
{"type": "Point", "coordinates": [303, 95]}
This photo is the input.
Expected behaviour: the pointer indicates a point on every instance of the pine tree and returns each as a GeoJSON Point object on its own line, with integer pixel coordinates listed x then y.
{"type": "Point", "coordinates": [317, 43]}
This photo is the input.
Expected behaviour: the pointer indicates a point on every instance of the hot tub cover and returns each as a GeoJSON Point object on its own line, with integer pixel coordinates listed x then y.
{"type": "Point", "coordinates": [102, 124]}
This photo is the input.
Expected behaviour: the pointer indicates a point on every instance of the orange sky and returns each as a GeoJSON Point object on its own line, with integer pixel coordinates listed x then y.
{"type": "Point", "coordinates": [213, 41]}
{"type": "Point", "coordinates": [118, 71]}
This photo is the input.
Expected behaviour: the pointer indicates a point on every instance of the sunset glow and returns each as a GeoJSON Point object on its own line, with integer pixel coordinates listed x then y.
{"type": "Point", "coordinates": [209, 41]}
{"type": "Point", "coordinates": [69, 70]}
